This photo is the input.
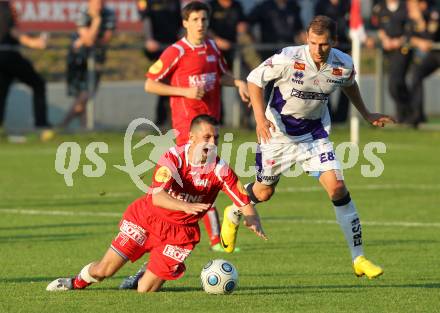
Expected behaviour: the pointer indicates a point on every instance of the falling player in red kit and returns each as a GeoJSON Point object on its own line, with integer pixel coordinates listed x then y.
{"type": "Point", "coordinates": [191, 72]}
{"type": "Point", "coordinates": [164, 222]}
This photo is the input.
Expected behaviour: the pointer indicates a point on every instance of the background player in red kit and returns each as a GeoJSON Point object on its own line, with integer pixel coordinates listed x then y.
{"type": "Point", "coordinates": [164, 222]}
{"type": "Point", "coordinates": [191, 71]}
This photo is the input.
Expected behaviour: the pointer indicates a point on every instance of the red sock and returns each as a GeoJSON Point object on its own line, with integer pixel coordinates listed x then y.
{"type": "Point", "coordinates": [79, 283]}
{"type": "Point", "coordinates": [212, 225]}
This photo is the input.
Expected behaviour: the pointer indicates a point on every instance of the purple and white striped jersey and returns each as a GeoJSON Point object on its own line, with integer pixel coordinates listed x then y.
{"type": "Point", "coordinates": [298, 102]}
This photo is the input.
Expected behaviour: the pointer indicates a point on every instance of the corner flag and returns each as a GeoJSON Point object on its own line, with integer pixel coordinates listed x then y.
{"type": "Point", "coordinates": [357, 35]}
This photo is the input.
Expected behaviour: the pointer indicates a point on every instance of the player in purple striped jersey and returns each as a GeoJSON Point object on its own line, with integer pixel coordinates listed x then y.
{"type": "Point", "coordinates": [295, 128]}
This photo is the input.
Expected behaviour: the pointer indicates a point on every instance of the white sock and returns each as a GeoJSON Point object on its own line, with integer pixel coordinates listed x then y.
{"type": "Point", "coordinates": [235, 215]}
{"type": "Point", "coordinates": [348, 219]}
{"type": "Point", "coordinates": [85, 275]}
{"type": "Point", "coordinates": [213, 221]}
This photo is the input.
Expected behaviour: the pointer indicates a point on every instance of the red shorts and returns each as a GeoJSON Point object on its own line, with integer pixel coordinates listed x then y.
{"type": "Point", "coordinates": [169, 244]}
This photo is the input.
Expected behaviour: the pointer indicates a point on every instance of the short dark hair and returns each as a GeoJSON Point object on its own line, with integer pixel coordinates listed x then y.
{"type": "Point", "coordinates": [195, 6]}
{"type": "Point", "coordinates": [203, 118]}
{"type": "Point", "coordinates": [321, 24]}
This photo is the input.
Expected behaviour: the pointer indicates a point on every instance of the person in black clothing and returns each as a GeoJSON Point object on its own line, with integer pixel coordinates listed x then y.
{"type": "Point", "coordinates": [226, 23]}
{"type": "Point", "coordinates": [424, 31]}
{"type": "Point", "coordinates": [227, 20]}
{"type": "Point", "coordinates": [279, 21]}
{"type": "Point", "coordinates": [161, 26]}
{"type": "Point", "coordinates": [339, 11]}
{"type": "Point", "coordinates": [391, 17]}
{"type": "Point", "coordinates": [14, 66]}
{"type": "Point", "coordinates": [95, 26]}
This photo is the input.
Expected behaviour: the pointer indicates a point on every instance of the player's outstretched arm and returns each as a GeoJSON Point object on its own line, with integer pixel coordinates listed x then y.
{"type": "Point", "coordinates": [162, 199]}
{"type": "Point", "coordinates": [163, 89]}
{"type": "Point", "coordinates": [252, 221]}
{"type": "Point", "coordinates": [376, 119]}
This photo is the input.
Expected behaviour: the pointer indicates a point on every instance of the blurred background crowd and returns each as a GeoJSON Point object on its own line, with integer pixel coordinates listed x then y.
{"type": "Point", "coordinates": [247, 32]}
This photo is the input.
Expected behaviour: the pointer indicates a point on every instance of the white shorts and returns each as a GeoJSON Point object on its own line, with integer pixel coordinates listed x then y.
{"type": "Point", "coordinates": [274, 159]}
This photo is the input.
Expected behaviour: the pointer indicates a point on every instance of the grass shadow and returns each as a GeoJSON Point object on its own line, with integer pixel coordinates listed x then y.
{"type": "Point", "coordinates": [48, 279]}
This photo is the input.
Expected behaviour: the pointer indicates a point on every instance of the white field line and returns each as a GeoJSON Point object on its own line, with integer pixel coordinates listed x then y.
{"type": "Point", "coordinates": [316, 188]}
{"type": "Point", "coordinates": [365, 187]}
{"type": "Point", "coordinates": [59, 213]}
{"type": "Point", "coordinates": [91, 195]}
{"type": "Point", "coordinates": [77, 196]}
{"type": "Point", "coordinates": [369, 223]}
{"type": "Point", "coordinates": [268, 219]}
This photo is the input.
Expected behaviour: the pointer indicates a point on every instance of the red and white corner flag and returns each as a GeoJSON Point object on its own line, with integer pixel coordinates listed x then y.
{"type": "Point", "coordinates": [357, 35]}
{"type": "Point", "coordinates": [357, 30]}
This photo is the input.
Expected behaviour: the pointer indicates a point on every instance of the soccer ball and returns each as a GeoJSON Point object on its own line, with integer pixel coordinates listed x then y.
{"type": "Point", "coordinates": [219, 277]}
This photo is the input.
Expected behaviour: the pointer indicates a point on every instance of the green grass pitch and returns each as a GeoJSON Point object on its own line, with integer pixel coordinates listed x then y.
{"type": "Point", "coordinates": [49, 230]}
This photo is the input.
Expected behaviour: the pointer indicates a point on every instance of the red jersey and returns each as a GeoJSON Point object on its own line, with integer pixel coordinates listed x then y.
{"type": "Point", "coordinates": [190, 183]}
{"type": "Point", "coordinates": [186, 65]}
